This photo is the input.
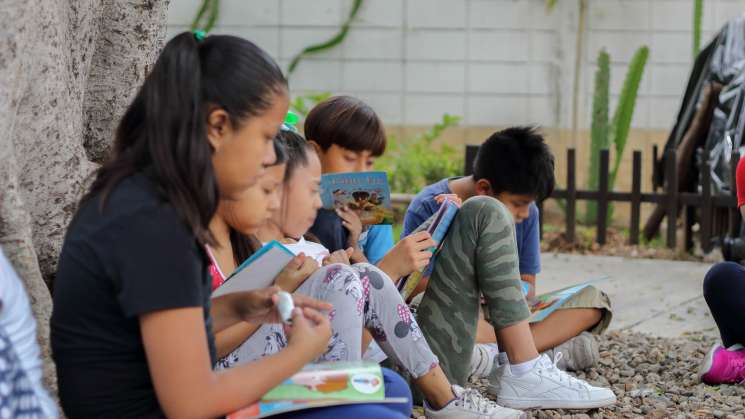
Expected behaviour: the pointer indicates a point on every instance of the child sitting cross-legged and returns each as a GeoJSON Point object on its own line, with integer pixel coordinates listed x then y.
{"type": "Point", "coordinates": [479, 257]}
{"type": "Point", "coordinates": [516, 167]}
{"type": "Point", "coordinates": [363, 296]}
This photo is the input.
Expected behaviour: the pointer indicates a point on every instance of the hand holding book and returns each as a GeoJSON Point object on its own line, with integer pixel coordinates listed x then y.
{"type": "Point", "coordinates": [296, 272]}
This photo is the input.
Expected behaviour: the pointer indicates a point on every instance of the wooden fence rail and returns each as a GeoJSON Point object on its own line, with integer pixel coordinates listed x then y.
{"type": "Point", "coordinates": [701, 205]}
{"type": "Point", "coordinates": [698, 207]}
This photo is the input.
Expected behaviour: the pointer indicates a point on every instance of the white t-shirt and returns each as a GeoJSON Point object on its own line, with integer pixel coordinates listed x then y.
{"type": "Point", "coordinates": [19, 324]}
{"type": "Point", "coordinates": [316, 251]}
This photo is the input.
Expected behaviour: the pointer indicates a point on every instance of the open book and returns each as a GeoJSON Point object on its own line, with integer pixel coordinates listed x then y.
{"type": "Point", "coordinates": [541, 306]}
{"type": "Point", "coordinates": [318, 385]}
{"type": "Point", "coordinates": [438, 229]}
{"type": "Point", "coordinates": [258, 271]}
{"type": "Point", "coordinates": [365, 193]}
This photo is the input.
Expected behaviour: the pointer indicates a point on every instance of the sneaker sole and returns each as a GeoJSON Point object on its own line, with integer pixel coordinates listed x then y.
{"type": "Point", "coordinates": [708, 362]}
{"type": "Point", "coordinates": [554, 404]}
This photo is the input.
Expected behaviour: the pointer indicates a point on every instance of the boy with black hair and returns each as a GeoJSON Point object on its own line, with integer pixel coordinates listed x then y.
{"type": "Point", "coordinates": [516, 167]}
{"type": "Point", "coordinates": [478, 258]}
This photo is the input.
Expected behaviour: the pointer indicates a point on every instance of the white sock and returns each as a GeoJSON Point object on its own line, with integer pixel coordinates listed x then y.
{"type": "Point", "coordinates": [523, 367]}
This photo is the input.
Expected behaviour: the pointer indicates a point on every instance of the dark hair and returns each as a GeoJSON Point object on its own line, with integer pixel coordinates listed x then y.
{"type": "Point", "coordinates": [516, 160]}
{"type": "Point", "coordinates": [163, 133]}
{"type": "Point", "coordinates": [279, 150]}
{"type": "Point", "coordinates": [347, 122]}
{"type": "Point", "coordinates": [245, 245]}
{"type": "Point", "coordinates": [296, 149]}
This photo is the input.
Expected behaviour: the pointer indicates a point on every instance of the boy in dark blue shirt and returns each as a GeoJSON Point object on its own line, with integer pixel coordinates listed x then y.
{"type": "Point", "coordinates": [515, 166]}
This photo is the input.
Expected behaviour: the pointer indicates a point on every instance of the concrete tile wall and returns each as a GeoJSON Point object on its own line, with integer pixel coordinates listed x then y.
{"type": "Point", "coordinates": [494, 62]}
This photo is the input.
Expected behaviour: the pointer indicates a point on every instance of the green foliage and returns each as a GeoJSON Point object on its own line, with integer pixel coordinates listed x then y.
{"type": "Point", "coordinates": [413, 163]}
{"type": "Point", "coordinates": [617, 133]}
{"type": "Point", "coordinates": [621, 125]}
{"type": "Point", "coordinates": [599, 138]}
{"type": "Point", "coordinates": [550, 4]}
{"type": "Point", "coordinates": [331, 43]}
{"type": "Point", "coordinates": [302, 104]}
{"type": "Point", "coordinates": [207, 15]}
{"type": "Point", "coordinates": [698, 14]}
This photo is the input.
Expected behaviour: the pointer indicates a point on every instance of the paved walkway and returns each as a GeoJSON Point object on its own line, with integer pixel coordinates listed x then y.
{"type": "Point", "coordinates": [659, 297]}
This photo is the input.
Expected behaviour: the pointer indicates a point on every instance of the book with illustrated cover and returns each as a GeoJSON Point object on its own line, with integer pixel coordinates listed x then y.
{"type": "Point", "coordinates": [438, 229]}
{"type": "Point", "coordinates": [318, 385]}
{"type": "Point", "coordinates": [365, 193]}
{"type": "Point", "coordinates": [258, 271]}
{"type": "Point", "coordinates": [541, 306]}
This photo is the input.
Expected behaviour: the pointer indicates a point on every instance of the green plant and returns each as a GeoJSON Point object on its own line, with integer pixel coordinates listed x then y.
{"type": "Point", "coordinates": [698, 13]}
{"type": "Point", "coordinates": [414, 163]}
{"type": "Point", "coordinates": [207, 15]}
{"type": "Point", "coordinates": [302, 104]}
{"type": "Point", "coordinates": [331, 43]}
{"type": "Point", "coordinates": [617, 133]}
{"type": "Point", "coordinates": [599, 138]}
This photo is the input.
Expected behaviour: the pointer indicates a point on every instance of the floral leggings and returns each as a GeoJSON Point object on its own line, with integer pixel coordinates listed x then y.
{"type": "Point", "coordinates": [363, 297]}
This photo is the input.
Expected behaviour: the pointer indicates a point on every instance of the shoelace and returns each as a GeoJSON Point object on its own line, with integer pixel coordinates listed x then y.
{"type": "Point", "coordinates": [562, 376]}
{"type": "Point", "coordinates": [473, 400]}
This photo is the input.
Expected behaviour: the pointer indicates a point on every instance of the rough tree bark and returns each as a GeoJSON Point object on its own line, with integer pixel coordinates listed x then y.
{"type": "Point", "coordinates": [68, 69]}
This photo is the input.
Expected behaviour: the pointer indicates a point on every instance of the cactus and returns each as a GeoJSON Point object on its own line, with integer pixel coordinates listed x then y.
{"type": "Point", "coordinates": [599, 138]}
{"type": "Point", "coordinates": [615, 134]}
{"type": "Point", "coordinates": [698, 13]}
{"type": "Point", "coordinates": [619, 130]}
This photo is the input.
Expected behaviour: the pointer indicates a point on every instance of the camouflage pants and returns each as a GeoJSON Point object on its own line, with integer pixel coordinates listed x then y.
{"type": "Point", "coordinates": [478, 256]}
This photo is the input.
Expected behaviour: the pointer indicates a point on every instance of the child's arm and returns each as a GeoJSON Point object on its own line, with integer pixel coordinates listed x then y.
{"type": "Point", "coordinates": [530, 279]}
{"type": "Point", "coordinates": [408, 255]}
{"type": "Point", "coordinates": [179, 362]}
{"type": "Point", "coordinates": [232, 336]}
{"type": "Point", "coordinates": [296, 272]}
{"type": "Point", "coordinates": [351, 221]}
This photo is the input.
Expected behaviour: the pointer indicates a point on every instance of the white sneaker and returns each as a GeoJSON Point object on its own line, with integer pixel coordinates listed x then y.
{"type": "Point", "coordinates": [578, 353]}
{"type": "Point", "coordinates": [483, 359]}
{"type": "Point", "coordinates": [546, 387]}
{"type": "Point", "coordinates": [470, 404]}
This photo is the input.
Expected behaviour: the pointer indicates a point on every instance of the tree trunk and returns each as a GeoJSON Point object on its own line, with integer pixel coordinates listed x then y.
{"type": "Point", "coordinates": [67, 72]}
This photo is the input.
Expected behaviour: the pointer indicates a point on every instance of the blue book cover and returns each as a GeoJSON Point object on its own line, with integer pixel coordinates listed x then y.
{"type": "Point", "coordinates": [366, 193]}
{"type": "Point", "coordinates": [258, 271]}
{"type": "Point", "coordinates": [438, 229]}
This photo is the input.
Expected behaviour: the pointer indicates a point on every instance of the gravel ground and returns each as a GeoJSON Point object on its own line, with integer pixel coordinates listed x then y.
{"type": "Point", "coordinates": [654, 378]}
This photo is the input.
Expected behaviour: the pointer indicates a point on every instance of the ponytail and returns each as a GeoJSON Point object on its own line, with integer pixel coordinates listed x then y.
{"type": "Point", "coordinates": [163, 133]}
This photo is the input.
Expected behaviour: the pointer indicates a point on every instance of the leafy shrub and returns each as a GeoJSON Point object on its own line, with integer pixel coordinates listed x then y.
{"type": "Point", "coordinates": [414, 163]}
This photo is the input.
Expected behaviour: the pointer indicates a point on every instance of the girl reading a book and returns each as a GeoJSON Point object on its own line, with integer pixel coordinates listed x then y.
{"type": "Point", "coordinates": [363, 296]}
{"type": "Point", "coordinates": [132, 326]}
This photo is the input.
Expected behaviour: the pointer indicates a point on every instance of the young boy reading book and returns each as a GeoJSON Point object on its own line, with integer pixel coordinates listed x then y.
{"type": "Point", "coordinates": [516, 167]}
{"type": "Point", "coordinates": [478, 257]}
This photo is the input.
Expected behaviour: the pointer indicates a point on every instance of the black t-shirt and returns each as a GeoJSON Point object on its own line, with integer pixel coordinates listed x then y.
{"type": "Point", "coordinates": [134, 257]}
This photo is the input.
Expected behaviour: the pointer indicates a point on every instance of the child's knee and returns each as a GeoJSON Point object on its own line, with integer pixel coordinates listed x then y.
{"type": "Point", "coordinates": [340, 284]}
{"type": "Point", "coordinates": [718, 277]}
{"type": "Point", "coordinates": [376, 278]}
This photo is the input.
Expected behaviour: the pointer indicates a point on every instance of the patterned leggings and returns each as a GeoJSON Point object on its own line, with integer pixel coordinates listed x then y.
{"type": "Point", "coordinates": [362, 296]}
